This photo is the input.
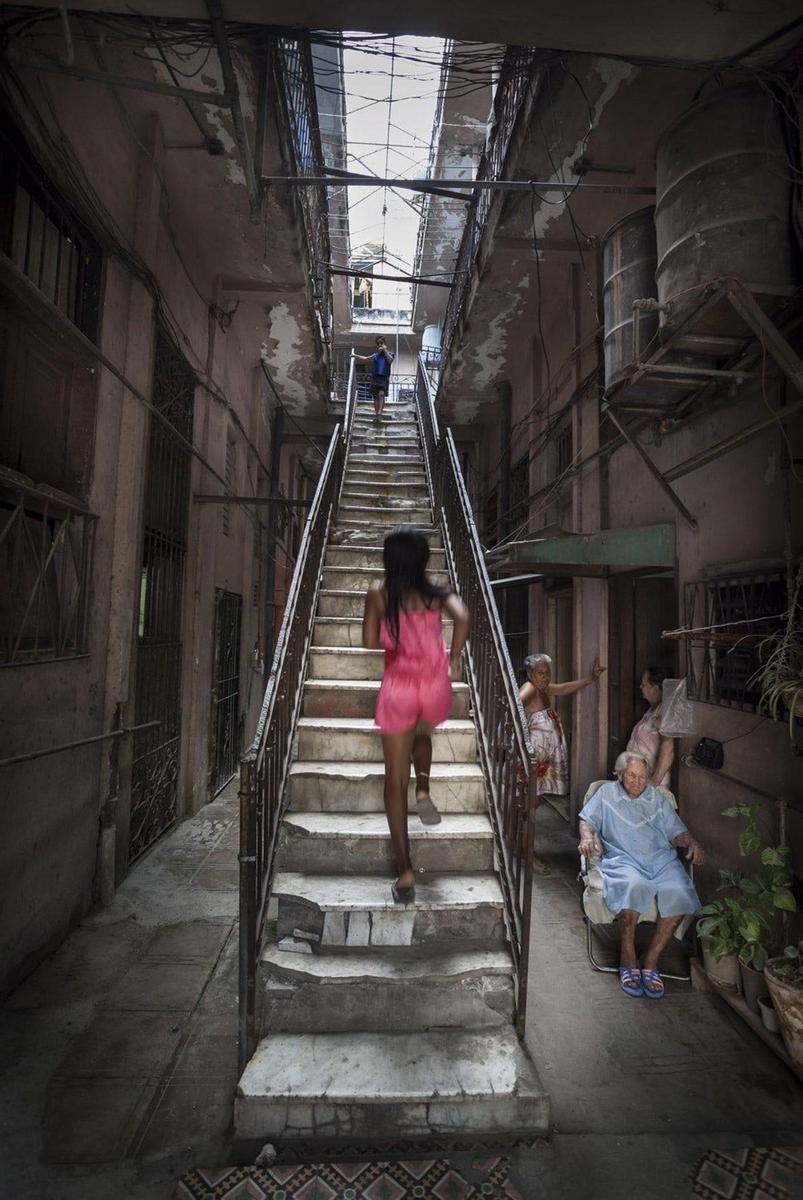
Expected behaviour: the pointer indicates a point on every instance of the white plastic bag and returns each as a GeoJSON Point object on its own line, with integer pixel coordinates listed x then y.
{"type": "Point", "coordinates": [676, 709]}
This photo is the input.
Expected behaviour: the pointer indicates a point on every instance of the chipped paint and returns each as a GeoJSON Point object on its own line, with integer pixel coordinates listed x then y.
{"type": "Point", "coordinates": [282, 353]}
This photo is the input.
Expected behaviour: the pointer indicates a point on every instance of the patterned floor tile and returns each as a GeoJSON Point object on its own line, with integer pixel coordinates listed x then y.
{"type": "Point", "coordinates": [431, 1179]}
{"type": "Point", "coordinates": [749, 1173]}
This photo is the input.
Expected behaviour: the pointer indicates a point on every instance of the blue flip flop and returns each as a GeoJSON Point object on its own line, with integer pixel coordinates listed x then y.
{"type": "Point", "coordinates": [630, 981]}
{"type": "Point", "coordinates": [650, 976]}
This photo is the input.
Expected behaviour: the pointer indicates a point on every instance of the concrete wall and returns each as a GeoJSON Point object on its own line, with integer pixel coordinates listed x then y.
{"type": "Point", "coordinates": [737, 500]}
{"type": "Point", "coordinates": [52, 806]}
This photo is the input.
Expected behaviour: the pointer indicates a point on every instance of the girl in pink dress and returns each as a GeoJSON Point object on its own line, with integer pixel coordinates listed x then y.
{"type": "Point", "coordinates": [403, 617]}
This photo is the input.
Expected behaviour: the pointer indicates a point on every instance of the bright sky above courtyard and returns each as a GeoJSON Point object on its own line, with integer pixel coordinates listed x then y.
{"type": "Point", "coordinates": [390, 110]}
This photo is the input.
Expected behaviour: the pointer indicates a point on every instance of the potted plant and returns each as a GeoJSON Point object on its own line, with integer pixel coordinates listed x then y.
{"type": "Point", "coordinates": [720, 944]}
{"type": "Point", "coordinates": [785, 981]}
{"type": "Point", "coordinates": [759, 901]}
{"type": "Point", "coordinates": [780, 676]}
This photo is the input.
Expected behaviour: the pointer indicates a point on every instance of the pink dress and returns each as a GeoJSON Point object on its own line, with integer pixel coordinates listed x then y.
{"type": "Point", "coordinates": [416, 685]}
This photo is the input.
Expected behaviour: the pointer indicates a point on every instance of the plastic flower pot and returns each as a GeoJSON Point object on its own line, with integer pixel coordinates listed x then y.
{"type": "Point", "coordinates": [753, 985]}
{"type": "Point", "coordinates": [769, 1017]}
{"type": "Point", "coordinates": [723, 971]}
{"type": "Point", "coordinates": [788, 1000]}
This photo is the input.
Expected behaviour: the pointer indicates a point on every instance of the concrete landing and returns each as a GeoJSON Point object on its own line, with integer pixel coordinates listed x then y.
{"type": "Point", "coordinates": [400, 1085]}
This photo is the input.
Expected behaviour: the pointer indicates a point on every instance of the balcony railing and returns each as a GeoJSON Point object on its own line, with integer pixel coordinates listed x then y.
{"type": "Point", "coordinates": [510, 103]}
{"type": "Point", "coordinates": [296, 87]}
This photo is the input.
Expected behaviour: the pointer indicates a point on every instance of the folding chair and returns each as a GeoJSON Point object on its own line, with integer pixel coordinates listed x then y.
{"type": "Point", "coordinates": [595, 910]}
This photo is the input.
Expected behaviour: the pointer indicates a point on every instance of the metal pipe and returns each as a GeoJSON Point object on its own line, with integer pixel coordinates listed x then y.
{"type": "Point", "coordinates": [218, 23]}
{"type": "Point", "coordinates": [221, 99]}
{"type": "Point", "coordinates": [651, 467]}
{"type": "Point", "coordinates": [689, 761]}
{"type": "Point", "coordinates": [100, 737]}
{"type": "Point", "coordinates": [423, 185]}
{"type": "Point", "coordinates": [390, 278]}
{"type": "Point", "coordinates": [730, 443]}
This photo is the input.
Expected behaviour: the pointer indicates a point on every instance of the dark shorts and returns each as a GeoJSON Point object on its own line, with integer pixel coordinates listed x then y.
{"type": "Point", "coordinates": [380, 383]}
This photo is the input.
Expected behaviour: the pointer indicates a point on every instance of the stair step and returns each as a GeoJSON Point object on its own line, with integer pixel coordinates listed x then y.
{"type": "Point", "coordinates": [330, 632]}
{"type": "Point", "coordinates": [393, 989]}
{"type": "Point", "coordinates": [390, 1085]}
{"type": "Point", "coordinates": [359, 579]}
{"type": "Point", "coordinates": [386, 474]}
{"type": "Point", "coordinates": [345, 662]}
{"type": "Point", "coordinates": [353, 787]}
{"type": "Point", "coordinates": [359, 910]}
{"type": "Point", "coordinates": [359, 843]}
{"type": "Point", "coordinates": [343, 739]}
{"type": "Point", "coordinates": [364, 514]}
{"type": "Point", "coordinates": [367, 496]}
{"type": "Point", "coordinates": [350, 533]}
{"type": "Point", "coordinates": [387, 458]}
{"type": "Point", "coordinates": [371, 556]}
{"type": "Point", "coordinates": [357, 698]}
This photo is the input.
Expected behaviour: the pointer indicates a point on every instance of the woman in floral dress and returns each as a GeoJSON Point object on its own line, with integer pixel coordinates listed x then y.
{"type": "Point", "coordinates": [547, 738]}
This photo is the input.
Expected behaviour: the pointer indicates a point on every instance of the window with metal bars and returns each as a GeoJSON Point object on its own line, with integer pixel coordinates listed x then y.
{"type": "Point", "coordinates": [519, 491]}
{"type": "Point", "coordinates": [733, 613]}
{"type": "Point", "coordinates": [491, 518]}
{"type": "Point", "coordinates": [230, 475]}
{"type": "Point", "coordinates": [564, 448]}
{"type": "Point", "coordinates": [43, 237]}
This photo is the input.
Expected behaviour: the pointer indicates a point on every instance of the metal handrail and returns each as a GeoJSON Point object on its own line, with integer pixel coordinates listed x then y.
{"type": "Point", "coordinates": [515, 85]}
{"type": "Point", "coordinates": [296, 84]}
{"type": "Point", "coordinates": [511, 773]}
{"type": "Point", "coordinates": [265, 765]}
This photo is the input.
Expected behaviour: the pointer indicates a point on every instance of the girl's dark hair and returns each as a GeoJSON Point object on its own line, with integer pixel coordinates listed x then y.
{"type": "Point", "coordinates": [655, 676]}
{"type": "Point", "coordinates": [406, 554]}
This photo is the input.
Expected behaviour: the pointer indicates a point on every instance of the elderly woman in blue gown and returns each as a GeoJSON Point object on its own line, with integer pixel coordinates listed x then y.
{"type": "Point", "coordinates": [640, 833]}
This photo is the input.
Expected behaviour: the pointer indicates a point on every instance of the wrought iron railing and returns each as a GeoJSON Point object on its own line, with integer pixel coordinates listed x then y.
{"type": "Point", "coordinates": [265, 765]}
{"type": "Point", "coordinates": [510, 102]}
{"type": "Point", "coordinates": [296, 80]}
{"type": "Point", "coordinates": [46, 542]}
{"type": "Point", "coordinates": [511, 775]}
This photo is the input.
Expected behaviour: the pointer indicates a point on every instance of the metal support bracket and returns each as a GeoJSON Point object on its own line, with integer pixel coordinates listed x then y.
{"type": "Point", "coordinates": [769, 337]}
{"type": "Point", "coordinates": [215, 8]}
{"type": "Point", "coordinates": [651, 467]}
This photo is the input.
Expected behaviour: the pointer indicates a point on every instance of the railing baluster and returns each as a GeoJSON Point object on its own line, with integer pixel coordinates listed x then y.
{"type": "Point", "coordinates": [504, 747]}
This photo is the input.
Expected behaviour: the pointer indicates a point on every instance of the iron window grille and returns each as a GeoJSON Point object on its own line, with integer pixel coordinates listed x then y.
{"type": "Point", "coordinates": [48, 243]}
{"type": "Point", "coordinates": [46, 543]}
{"type": "Point", "coordinates": [734, 612]}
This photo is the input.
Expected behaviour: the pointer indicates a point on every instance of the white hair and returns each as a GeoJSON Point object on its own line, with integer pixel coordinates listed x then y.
{"type": "Point", "coordinates": [534, 660]}
{"type": "Point", "coordinates": [626, 758]}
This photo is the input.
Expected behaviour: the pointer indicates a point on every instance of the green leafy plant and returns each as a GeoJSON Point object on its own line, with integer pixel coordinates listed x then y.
{"type": "Point", "coordinates": [718, 926]}
{"type": "Point", "coordinates": [757, 900]}
{"type": "Point", "coordinates": [780, 676]}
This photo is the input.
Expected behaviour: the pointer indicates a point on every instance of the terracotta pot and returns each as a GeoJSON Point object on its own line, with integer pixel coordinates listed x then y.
{"type": "Point", "coordinates": [788, 1001]}
{"type": "Point", "coordinates": [724, 971]}
{"type": "Point", "coordinates": [754, 985]}
{"type": "Point", "coordinates": [769, 1017]}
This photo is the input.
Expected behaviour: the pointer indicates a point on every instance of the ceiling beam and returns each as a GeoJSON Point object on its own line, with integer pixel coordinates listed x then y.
{"type": "Point", "coordinates": [38, 63]}
{"type": "Point", "coordinates": [218, 22]}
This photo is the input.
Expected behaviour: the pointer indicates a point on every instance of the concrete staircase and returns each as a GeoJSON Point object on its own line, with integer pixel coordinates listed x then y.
{"type": "Point", "coordinates": [378, 1020]}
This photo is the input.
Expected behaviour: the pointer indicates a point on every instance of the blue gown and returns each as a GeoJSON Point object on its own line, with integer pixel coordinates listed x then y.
{"type": "Point", "coordinates": [639, 864]}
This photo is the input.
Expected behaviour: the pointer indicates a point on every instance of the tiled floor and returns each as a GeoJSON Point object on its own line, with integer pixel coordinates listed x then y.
{"type": "Point", "coordinates": [118, 1056]}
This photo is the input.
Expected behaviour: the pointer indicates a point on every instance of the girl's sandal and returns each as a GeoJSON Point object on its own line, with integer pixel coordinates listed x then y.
{"type": "Point", "coordinates": [403, 895]}
{"type": "Point", "coordinates": [427, 812]}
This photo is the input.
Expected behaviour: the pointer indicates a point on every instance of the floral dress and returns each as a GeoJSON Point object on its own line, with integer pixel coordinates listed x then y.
{"type": "Point", "coordinates": [549, 751]}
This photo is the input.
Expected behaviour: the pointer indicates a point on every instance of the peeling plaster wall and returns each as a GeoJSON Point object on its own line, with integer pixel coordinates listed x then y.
{"type": "Point", "coordinates": [52, 805]}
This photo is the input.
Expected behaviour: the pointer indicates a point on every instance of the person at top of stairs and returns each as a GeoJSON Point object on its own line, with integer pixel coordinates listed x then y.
{"type": "Point", "coordinates": [403, 617]}
{"type": "Point", "coordinates": [380, 373]}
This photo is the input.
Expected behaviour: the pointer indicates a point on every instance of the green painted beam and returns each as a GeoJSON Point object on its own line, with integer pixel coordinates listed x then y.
{"type": "Point", "coordinates": [639, 546]}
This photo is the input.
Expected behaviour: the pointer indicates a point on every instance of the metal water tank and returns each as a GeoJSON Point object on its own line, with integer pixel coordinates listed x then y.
{"type": "Point", "coordinates": [724, 193]}
{"type": "Point", "coordinates": [628, 265]}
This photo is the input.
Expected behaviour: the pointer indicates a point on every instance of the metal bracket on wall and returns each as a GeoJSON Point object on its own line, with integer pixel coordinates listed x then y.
{"type": "Point", "coordinates": [651, 467]}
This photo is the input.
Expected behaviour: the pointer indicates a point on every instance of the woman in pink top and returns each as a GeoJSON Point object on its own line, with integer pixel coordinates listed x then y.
{"type": "Point", "coordinates": [403, 617]}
